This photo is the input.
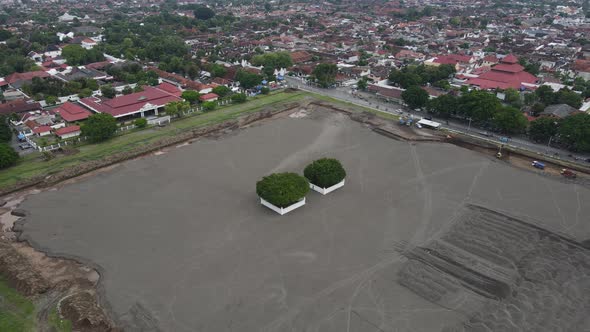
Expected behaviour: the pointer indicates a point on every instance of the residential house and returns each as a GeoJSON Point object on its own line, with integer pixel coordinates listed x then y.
{"type": "Point", "coordinates": [559, 111]}
{"type": "Point", "coordinates": [68, 132]}
{"type": "Point", "coordinates": [71, 112]}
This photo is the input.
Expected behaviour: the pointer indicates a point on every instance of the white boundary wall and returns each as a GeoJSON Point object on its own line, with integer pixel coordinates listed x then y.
{"type": "Point", "coordinates": [325, 191]}
{"type": "Point", "coordinates": [282, 211]}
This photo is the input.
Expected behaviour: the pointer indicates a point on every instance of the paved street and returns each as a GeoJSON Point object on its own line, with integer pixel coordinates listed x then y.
{"type": "Point", "coordinates": [372, 101]}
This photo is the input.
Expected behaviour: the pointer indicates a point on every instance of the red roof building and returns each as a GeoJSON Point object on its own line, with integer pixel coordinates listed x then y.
{"type": "Point", "coordinates": [209, 97]}
{"type": "Point", "coordinates": [42, 130]}
{"type": "Point", "coordinates": [67, 132]}
{"type": "Point", "coordinates": [170, 88]}
{"type": "Point", "coordinates": [18, 106]}
{"type": "Point", "coordinates": [507, 74]}
{"type": "Point", "coordinates": [453, 59]}
{"type": "Point", "coordinates": [71, 112]}
{"type": "Point", "coordinates": [149, 101]}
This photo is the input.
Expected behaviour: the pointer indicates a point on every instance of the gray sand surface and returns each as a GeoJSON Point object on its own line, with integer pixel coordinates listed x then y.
{"type": "Point", "coordinates": [183, 244]}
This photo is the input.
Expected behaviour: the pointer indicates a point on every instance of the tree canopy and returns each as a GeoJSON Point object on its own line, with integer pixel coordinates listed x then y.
{"type": "Point", "coordinates": [177, 108]}
{"type": "Point", "coordinates": [8, 156]}
{"type": "Point", "coordinates": [325, 172]}
{"type": "Point", "coordinates": [191, 96]}
{"type": "Point", "coordinates": [282, 189]}
{"type": "Point", "coordinates": [444, 106]}
{"type": "Point", "coordinates": [5, 131]}
{"type": "Point", "coordinates": [420, 75]}
{"type": "Point", "coordinates": [99, 127]}
{"type": "Point", "coordinates": [204, 13]}
{"type": "Point", "coordinates": [415, 97]}
{"type": "Point", "coordinates": [77, 55]}
{"type": "Point", "coordinates": [509, 120]}
{"type": "Point", "coordinates": [325, 74]}
{"type": "Point", "coordinates": [247, 79]}
{"type": "Point", "coordinates": [574, 132]}
{"type": "Point", "coordinates": [543, 128]}
{"type": "Point", "coordinates": [273, 60]}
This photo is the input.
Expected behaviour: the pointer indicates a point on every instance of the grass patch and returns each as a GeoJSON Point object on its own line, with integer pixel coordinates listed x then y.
{"type": "Point", "coordinates": [58, 324]}
{"type": "Point", "coordinates": [355, 107]}
{"type": "Point", "coordinates": [17, 313]}
{"type": "Point", "coordinates": [32, 165]}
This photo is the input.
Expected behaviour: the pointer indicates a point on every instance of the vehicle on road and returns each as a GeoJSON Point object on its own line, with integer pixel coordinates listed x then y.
{"type": "Point", "coordinates": [568, 173]}
{"type": "Point", "coordinates": [538, 164]}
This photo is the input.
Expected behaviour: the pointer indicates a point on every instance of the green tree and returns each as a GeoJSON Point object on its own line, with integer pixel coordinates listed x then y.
{"type": "Point", "coordinates": [443, 84]}
{"type": "Point", "coordinates": [574, 132]}
{"type": "Point", "coordinates": [444, 106]}
{"type": "Point", "coordinates": [282, 189]}
{"type": "Point", "coordinates": [85, 93]}
{"type": "Point", "coordinates": [140, 123]}
{"type": "Point", "coordinates": [530, 98]}
{"type": "Point", "coordinates": [204, 13]}
{"type": "Point", "coordinates": [51, 100]}
{"type": "Point", "coordinates": [177, 108]}
{"type": "Point", "coordinates": [239, 98]}
{"type": "Point", "coordinates": [324, 172]}
{"type": "Point", "coordinates": [209, 106]}
{"type": "Point", "coordinates": [191, 96]}
{"type": "Point", "coordinates": [248, 80]}
{"type": "Point", "coordinates": [512, 97]}
{"type": "Point", "coordinates": [265, 90]}
{"type": "Point", "coordinates": [127, 90]}
{"type": "Point", "coordinates": [217, 70]}
{"type": "Point", "coordinates": [415, 97]}
{"type": "Point", "coordinates": [77, 55]}
{"type": "Point", "coordinates": [542, 129]}
{"type": "Point", "coordinates": [8, 156]}
{"type": "Point", "coordinates": [221, 90]}
{"type": "Point", "coordinates": [362, 84]}
{"type": "Point", "coordinates": [108, 91]}
{"type": "Point", "coordinates": [273, 60]}
{"type": "Point", "coordinates": [510, 120]}
{"type": "Point", "coordinates": [99, 127]}
{"type": "Point", "coordinates": [325, 74]}
{"type": "Point", "coordinates": [566, 96]}
{"type": "Point", "coordinates": [478, 105]}
{"type": "Point", "coordinates": [5, 131]}
{"type": "Point", "coordinates": [546, 95]}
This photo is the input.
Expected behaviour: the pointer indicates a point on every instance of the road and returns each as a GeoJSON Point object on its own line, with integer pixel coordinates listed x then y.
{"type": "Point", "coordinates": [370, 100]}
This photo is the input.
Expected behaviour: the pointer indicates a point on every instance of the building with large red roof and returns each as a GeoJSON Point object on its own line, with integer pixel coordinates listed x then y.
{"type": "Point", "coordinates": [71, 112]}
{"type": "Point", "coordinates": [150, 101]}
{"type": "Point", "coordinates": [507, 74]}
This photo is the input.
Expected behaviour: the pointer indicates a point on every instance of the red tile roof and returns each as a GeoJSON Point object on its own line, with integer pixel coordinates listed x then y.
{"type": "Point", "coordinates": [452, 59]}
{"type": "Point", "coordinates": [209, 96]}
{"type": "Point", "coordinates": [170, 88]}
{"type": "Point", "coordinates": [72, 112]}
{"type": "Point", "coordinates": [18, 106]}
{"type": "Point", "coordinates": [510, 59]}
{"type": "Point", "coordinates": [509, 68]}
{"type": "Point", "coordinates": [25, 76]}
{"type": "Point", "coordinates": [41, 129]}
{"type": "Point", "coordinates": [130, 104]}
{"type": "Point", "coordinates": [67, 130]}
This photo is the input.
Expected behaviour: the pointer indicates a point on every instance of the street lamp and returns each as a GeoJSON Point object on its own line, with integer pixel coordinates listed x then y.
{"type": "Point", "coordinates": [469, 126]}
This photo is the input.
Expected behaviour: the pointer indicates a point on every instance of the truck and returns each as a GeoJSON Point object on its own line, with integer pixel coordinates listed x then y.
{"type": "Point", "coordinates": [568, 173]}
{"type": "Point", "coordinates": [538, 164]}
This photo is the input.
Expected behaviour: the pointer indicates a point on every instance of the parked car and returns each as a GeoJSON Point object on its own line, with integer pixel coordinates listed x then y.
{"type": "Point", "coordinates": [25, 146]}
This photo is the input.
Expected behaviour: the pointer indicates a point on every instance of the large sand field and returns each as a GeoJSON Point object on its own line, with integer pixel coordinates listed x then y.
{"type": "Point", "coordinates": [423, 237]}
